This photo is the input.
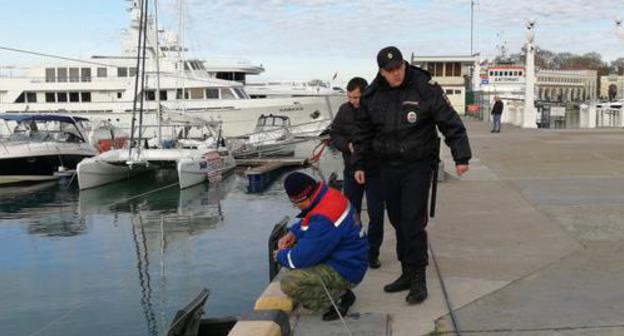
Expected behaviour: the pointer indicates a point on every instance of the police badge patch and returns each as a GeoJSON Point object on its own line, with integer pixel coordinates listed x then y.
{"type": "Point", "coordinates": [412, 117]}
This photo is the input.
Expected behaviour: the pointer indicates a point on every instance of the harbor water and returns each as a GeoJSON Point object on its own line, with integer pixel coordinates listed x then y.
{"type": "Point", "coordinates": [122, 259]}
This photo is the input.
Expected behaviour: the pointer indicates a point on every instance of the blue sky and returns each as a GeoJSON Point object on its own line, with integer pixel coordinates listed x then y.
{"type": "Point", "coordinates": [305, 39]}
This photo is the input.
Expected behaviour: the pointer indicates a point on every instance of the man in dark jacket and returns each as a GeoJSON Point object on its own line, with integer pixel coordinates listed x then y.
{"type": "Point", "coordinates": [342, 132]}
{"type": "Point", "coordinates": [325, 250]}
{"type": "Point", "coordinates": [403, 107]}
{"type": "Point", "coordinates": [497, 111]}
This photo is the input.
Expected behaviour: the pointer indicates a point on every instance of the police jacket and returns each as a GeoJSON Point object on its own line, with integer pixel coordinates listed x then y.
{"type": "Point", "coordinates": [327, 233]}
{"type": "Point", "coordinates": [342, 131]}
{"type": "Point", "coordinates": [399, 124]}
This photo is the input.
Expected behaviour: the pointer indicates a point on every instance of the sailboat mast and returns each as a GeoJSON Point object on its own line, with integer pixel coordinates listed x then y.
{"type": "Point", "coordinates": [158, 110]}
{"type": "Point", "coordinates": [139, 4]}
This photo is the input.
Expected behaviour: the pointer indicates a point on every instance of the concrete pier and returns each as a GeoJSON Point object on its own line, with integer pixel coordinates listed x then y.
{"type": "Point", "coordinates": [529, 243]}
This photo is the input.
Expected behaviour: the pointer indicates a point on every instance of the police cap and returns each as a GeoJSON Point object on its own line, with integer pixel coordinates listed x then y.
{"type": "Point", "coordinates": [389, 58]}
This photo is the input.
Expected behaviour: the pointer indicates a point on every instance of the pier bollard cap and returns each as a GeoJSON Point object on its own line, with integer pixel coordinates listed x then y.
{"type": "Point", "coordinates": [389, 58]}
{"type": "Point", "coordinates": [299, 186]}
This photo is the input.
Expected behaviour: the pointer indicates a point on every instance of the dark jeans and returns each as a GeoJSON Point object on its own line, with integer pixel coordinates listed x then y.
{"type": "Point", "coordinates": [374, 200]}
{"type": "Point", "coordinates": [406, 191]}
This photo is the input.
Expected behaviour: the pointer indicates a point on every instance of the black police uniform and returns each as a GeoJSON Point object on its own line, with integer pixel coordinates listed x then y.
{"type": "Point", "coordinates": [342, 133]}
{"type": "Point", "coordinates": [399, 126]}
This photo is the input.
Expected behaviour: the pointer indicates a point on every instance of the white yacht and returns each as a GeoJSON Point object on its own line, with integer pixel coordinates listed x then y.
{"type": "Point", "coordinates": [274, 89]}
{"type": "Point", "coordinates": [38, 145]}
{"type": "Point", "coordinates": [103, 87]}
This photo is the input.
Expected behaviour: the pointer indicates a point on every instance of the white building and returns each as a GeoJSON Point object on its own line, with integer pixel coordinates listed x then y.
{"type": "Point", "coordinates": [613, 83]}
{"type": "Point", "coordinates": [454, 74]}
{"type": "Point", "coordinates": [566, 85]}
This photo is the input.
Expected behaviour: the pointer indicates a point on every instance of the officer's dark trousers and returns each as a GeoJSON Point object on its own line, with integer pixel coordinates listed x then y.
{"type": "Point", "coordinates": [406, 192]}
{"type": "Point", "coordinates": [374, 202]}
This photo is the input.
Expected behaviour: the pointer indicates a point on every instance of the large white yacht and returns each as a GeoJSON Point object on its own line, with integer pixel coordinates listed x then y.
{"type": "Point", "coordinates": [103, 87]}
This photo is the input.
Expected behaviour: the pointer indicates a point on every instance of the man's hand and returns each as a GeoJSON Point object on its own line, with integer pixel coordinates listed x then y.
{"type": "Point", "coordinates": [461, 169]}
{"type": "Point", "coordinates": [351, 147]}
{"type": "Point", "coordinates": [286, 241]}
{"type": "Point", "coordinates": [359, 177]}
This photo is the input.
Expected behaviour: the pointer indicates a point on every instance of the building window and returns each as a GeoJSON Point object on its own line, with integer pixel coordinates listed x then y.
{"type": "Point", "coordinates": [431, 68]}
{"type": "Point", "coordinates": [50, 97]}
{"type": "Point", "coordinates": [150, 95]}
{"type": "Point", "coordinates": [119, 94]}
{"type": "Point", "coordinates": [85, 74]}
{"type": "Point", "coordinates": [448, 91]}
{"type": "Point", "coordinates": [74, 97]}
{"type": "Point", "coordinates": [61, 74]}
{"type": "Point", "coordinates": [439, 70]}
{"type": "Point", "coordinates": [457, 92]}
{"type": "Point", "coordinates": [85, 97]}
{"type": "Point", "coordinates": [163, 94]}
{"type": "Point", "coordinates": [132, 72]}
{"type": "Point", "coordinates": [226, 93]}
{"type": "Point", "coordinates": [212, 93]}
{"type": "Point", "coordinates": [101, 72]}
{"type": "Point", "coordinates": [50, 75]}
{"type": "Point", "coordinates": [74, 75]}
{"type": "Point", "coordinates": [122, 72]}
{"type": "Point", "coordinates": [61, 97]}
{"type": "Point", "coordinates": [31, 97]}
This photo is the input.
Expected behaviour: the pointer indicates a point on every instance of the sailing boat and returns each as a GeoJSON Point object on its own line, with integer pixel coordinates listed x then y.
{"type": "Point", "coordinates": [202, 158]}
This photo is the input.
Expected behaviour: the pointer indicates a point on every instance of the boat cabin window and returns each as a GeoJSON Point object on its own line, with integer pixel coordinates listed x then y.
{"type": "Point", "coordinates": [50, 97]}
{"type": "Point", "coordinates": [197, 93]}
{"type": "Point", "coordinates": [61, 74]}
{"type": "Point", "coordinates": [21, 98]}
{"type": "Point", "coordinates": [122, 72]}
{"type": "Point", "coordinates": [61, 97]}
{"type": "Point", "coordinates": [179, 94]}
{"type": "Point", "coordinates": [85, 74]}
{"type": "Point", "coordinates": [50, 74]}
{"type": "Point", "coordinates": [74, 97]}
{"type": "Point", "coordinates": [240, 93]}
{"type": "Point", "coordinates": [74, 75]}
{"type": "Point", "coordinates": [101, 72]}
{"type": "Point", "coordinates": [212, 93]}
{"type": "Point", "coordinates": [31, 97]}
{"type": "Point", "coordinates": [150, 95]}
{"type": "Point", "coordinates": [226, 93]}
{"type": "Point", "coordinates": [85, 97]}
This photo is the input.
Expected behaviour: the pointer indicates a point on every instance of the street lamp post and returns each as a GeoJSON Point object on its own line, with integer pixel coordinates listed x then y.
{"type": "Point", "coordinates": [529, 116]}
{"type": "Point", "coordinates": [619, 31]}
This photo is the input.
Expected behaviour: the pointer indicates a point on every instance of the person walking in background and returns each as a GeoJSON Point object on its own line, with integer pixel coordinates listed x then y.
{"type": "Point", "coordinates": [402, 108]}
{"type": "Point", "coordinates": [497, 111]}
{"type": "Point", "coordinates": [325, 249]}
{"type": "Point", "coordinates": [342, 132]}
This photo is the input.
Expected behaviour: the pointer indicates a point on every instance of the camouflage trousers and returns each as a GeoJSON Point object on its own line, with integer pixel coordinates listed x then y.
{"type": "Point", "coordinates": [304, 286]}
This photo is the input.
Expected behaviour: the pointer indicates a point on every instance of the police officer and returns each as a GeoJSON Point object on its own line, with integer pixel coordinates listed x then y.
{"type": "Point", "coordinates": [402, 107]}
{"type": "Point", "coordinates": [342, 132]}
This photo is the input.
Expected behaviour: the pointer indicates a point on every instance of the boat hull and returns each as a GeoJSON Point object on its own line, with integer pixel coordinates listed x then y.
{"type": "Point", "coordinates": [95, 172]}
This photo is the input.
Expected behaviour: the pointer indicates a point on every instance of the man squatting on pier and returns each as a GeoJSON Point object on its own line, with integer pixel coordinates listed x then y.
{"type": "Point", "coordinates": [325, 247]}
{"type": "Point", "coordinates": [402, 108]}
{"type": "Point", "coordinates": [342, 131]}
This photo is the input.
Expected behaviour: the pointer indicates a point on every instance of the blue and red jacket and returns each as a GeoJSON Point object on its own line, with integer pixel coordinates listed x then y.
{"type": "Point", "coordinates": [327, 234]}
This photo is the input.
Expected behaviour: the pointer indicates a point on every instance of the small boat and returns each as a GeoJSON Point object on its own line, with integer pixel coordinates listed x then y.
{"type": "Point", "coordinates": [271, 137]}
{"type": "Point", "coordinates": [36, 146]}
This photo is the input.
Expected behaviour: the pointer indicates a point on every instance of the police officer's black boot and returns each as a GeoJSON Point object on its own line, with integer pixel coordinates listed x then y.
{"type": "Point", "coordinates": [400, 284]}
{"type": "Point", "coordinates": [418, 286]}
